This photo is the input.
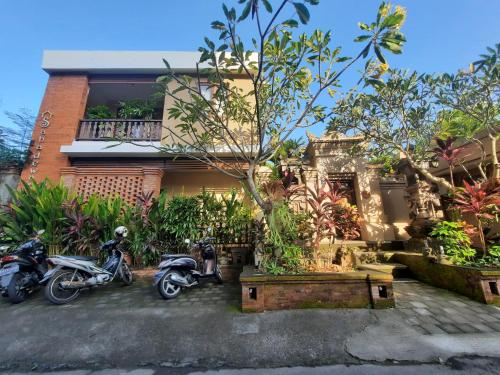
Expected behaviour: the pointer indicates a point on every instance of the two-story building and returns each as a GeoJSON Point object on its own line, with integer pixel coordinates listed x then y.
{"type": "Point", "coordinates": [82, 114]}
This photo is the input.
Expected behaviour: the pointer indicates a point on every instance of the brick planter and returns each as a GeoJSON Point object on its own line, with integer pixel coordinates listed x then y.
{"type": "Point", "coordinates": [230, 273]}
{"type": "Point", "coordinates": [482, 285]}
{"type": "Point", "coordinates": [316, 290]}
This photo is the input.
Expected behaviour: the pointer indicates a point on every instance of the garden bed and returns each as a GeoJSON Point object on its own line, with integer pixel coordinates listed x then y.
{"type": "Point", "coordinates": [356, 289]}
{"type": "Point", "coordinates": [482, 285]}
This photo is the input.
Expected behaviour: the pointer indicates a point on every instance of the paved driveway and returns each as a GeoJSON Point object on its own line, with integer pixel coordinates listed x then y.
{"type": "Point", "coordinates": [132, 326]}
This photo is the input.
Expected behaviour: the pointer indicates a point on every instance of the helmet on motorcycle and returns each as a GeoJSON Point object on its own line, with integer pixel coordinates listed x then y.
{"type": "Point", "coordinates": [121, 232]}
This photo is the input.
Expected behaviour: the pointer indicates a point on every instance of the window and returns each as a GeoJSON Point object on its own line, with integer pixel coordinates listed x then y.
{"type": "Point", "coordinates": [206, 91]}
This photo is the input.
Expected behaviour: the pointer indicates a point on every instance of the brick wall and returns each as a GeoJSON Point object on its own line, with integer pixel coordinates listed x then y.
{"type": "Point", "coordinates": [65, 98]}
{"type": "Point", "coordinates": [113, 181]}
{"type": "Point", "coordinates": [349, 290]}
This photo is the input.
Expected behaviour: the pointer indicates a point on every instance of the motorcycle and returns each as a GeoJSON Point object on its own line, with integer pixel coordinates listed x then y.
{"type": "Point", "coordinates": [71, 274]}
{"type": "Point", "coordinates": [23, 269]}
{"type": "Point", "coordinates": [178, 271]}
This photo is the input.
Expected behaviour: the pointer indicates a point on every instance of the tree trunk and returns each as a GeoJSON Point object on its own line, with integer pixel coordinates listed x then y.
{"type": "Point", "coordinates": [429, 176]}
{"type": "Point", "coordinates": [266, 206]}
{"type": "Point", "coordinates": [481, 237]}
{"type": "Point", "coordinates": [450, 169]}
{"type": "Point", "coordinates": [495, 174]}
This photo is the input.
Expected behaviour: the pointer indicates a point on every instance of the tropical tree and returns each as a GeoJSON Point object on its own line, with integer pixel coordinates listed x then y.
{"type": "Point", "coordinates": [288, 73]}
{"type": "Point", "coordinates": [474, 97]}
{"type": "Point", "coordinates": [15, 138]}
{"type": "Point", "coordinates": [398, 116]}
{"type": "Point", "coordinates": [419, 116]}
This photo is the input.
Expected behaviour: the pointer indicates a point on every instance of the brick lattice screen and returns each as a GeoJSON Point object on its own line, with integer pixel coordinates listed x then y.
{"type": "Point", "coordinates": [128, 187]}
{"type": "Point", "coordinates": [113, 181]}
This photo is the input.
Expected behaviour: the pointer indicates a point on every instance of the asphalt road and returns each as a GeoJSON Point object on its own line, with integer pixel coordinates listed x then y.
{"type": "Point", "coordinates": [133, 328]}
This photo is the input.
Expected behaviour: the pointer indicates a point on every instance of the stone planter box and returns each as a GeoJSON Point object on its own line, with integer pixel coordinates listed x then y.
{"type": "Point", "coordinates": [482, 285]}
{"type": "Point", "coordinates": [231, 272]}
{"type": "Point", "coordinates": [262, 292]}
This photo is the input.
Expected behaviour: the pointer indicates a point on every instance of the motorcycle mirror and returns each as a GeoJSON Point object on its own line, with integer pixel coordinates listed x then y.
{"type": "Point", "coordinates": [187, 241]}
{"type": "Point", "coordinates": [40, 232]}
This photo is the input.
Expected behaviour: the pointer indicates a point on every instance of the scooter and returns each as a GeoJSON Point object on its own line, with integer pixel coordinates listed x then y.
{"type": "Point", "coordinates": [179, 271]}
{"type": "Point", "coordinates": [23, 269]}
{"type": "Point", "coordinates": [71, 274]}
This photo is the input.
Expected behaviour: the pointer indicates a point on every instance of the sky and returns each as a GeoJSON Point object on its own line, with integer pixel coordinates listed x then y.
{"type": "Point", "coordinates": [443, 35]}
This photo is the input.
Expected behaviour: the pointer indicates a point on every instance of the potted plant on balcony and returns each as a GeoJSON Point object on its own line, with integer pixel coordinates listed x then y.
{"type": "Point", "coordinates": [101, 111]}
{"type": "Point", "coordinates": [136, 109]}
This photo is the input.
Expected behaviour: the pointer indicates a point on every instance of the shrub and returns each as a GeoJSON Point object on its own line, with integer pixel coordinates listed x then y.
{"type": "Point", "coordinates": [455, 241]}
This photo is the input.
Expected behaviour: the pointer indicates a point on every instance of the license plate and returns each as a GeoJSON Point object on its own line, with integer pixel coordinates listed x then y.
{"type": "Point", "coordinates": [8, 270]}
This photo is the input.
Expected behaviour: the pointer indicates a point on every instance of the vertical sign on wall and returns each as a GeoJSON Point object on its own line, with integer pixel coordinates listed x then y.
{"type": "Point", "coordinates": [35, 159]}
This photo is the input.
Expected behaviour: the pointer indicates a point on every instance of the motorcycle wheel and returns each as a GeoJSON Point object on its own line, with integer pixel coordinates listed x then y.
{"type": "Point", "coordinates": [166, 288]}
{"type": "Point", "coordinates": [15, 290]}
{"type": "Point", "coordinates": [127, 275]}
{"type": "Point", "coordinates": [55, 294]}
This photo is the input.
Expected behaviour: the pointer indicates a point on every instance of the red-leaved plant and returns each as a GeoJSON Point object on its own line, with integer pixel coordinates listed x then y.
{"type": "Point", "coordinates": [331, 214]}
{"type": "Point", "coordinates": [448, 153]}
{"type": "Point", "coordinates": [481, 200]}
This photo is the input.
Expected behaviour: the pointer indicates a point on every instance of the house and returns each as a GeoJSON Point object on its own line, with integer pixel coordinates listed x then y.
{"type": "Point", "coordinates": [69, 145]}
{"type": "Point", "coordinates": [73, 144]}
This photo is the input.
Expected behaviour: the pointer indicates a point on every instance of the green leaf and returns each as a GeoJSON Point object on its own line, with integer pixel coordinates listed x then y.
{"type": "Point", "coordinates": [246, 11]}
{"type": "Point", "coordinates": [268, 6]}
{"type": "Point", "coordinates": [290, 23]}
{"type": "Point", "coordinates": [375, 82]}
{"type": "Point", "coordinates": [362, 38]}
{"type": "Point", "coordinates": [364, 53]}
{"type": "Point", "coordinates": [380, 9]}
{"type": "Point", "coordinates": [218, 25]}
{"type": "Point", "coordinates": [302, 12]}
{"type": "Point", "coordinates": [363, 26]}
{"type": "Point", "coordinates": [392, 20]}
{"type": "Point", "coordinates": [380, 57]}
{"type": "Point", "coordinates": [393, 47]}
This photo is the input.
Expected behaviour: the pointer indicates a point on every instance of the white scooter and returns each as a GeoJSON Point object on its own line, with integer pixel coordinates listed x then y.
{"type": "Point", "coordinates": [71, 274]}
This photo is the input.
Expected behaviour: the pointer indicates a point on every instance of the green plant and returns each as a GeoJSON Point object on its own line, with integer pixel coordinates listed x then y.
{"type": "Point", "coordinates": [290, 74]}
{"type": "Point", "coordinates": [37, 206]}
{"type": "Point", "coordinates": [480, 200]}
{"type": "Point", "coordinates": [99, 112]}
{"type": "Point", "coordinates": [181, 220]}
{"type": "Point", "coordinates": [281, 253]}
{"type": "Point", "coordinates": [136, 109]}
{"type": "Point", "coordinates": [455, 241]}
{"type": "Point", "coordinates": [494, 251]}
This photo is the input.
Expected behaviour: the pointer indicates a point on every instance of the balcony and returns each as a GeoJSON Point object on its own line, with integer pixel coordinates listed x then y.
{"type": "Point", "coordinates": [119, 129]}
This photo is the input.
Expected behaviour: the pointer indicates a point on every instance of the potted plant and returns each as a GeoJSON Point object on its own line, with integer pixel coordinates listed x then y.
{"type": "Point", "coordinates": [136, 109]}
{"type": "Point", "coordinates": [99, 112]}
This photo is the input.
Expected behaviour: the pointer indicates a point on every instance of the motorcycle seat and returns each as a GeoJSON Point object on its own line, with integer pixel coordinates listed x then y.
{"type": "Point", "coordinates": [81, 257]}
{"type": "Point", "coordinates": [174, 256]}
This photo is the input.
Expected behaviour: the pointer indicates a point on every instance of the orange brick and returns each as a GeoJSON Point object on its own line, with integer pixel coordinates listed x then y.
{"type": "Point", "coordinates": [65, 98]}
